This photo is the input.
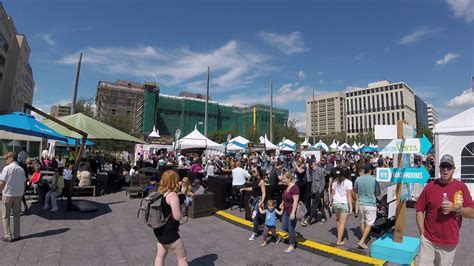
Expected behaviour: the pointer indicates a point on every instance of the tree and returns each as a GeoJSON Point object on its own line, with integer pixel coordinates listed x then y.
{"type": "Point", "coordinates": [424, 131]}
{"type": "Point", "coordinates": [119, 121]}
{"type": "Point", "coordinates": [220, 136]}
{"type": "Point", "coordinates": [86, 106]}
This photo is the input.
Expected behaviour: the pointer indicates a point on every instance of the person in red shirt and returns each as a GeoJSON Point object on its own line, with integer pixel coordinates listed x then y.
{"type": "Point", "coordinates": [289, 204]}
{"type": "Point", "coordinates": [439, 220]}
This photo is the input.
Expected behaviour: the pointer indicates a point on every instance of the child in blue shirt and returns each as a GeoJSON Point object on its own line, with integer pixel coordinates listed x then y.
{"type": "Point", "coordinates": [270, 221]}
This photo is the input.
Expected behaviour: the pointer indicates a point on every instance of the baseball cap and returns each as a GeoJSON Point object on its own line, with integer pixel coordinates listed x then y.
{"type": "Point", "coordinates": [447, 159]}
{"type": "Point", "coordinates": [9, 155]}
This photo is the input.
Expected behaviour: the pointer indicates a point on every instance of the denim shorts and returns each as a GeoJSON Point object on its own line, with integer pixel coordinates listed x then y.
{"type": "Point", "coordinates": [341, 207]}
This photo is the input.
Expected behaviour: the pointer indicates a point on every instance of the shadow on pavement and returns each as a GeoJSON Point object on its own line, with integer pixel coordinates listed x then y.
{"type": "Point", "coordinates": [47, 233]}
{"type": "Point", "coordinates": [209, 259]}
{"type": "Point", "coordinates": [63, 214]}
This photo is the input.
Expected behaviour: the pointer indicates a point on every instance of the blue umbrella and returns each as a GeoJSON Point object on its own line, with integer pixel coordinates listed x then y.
{"type": "Point", "coordinates": [72, 142]}
{"type": "Point", "coordinates": [26, 124]}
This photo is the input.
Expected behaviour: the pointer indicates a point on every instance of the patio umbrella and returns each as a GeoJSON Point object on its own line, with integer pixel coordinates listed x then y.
{"type": "Point", "coordinates": [26, 124]}
{"type": "Point", "coordinates": [72, 142]}
{"type": "Point", "coordinates": [94, 129]}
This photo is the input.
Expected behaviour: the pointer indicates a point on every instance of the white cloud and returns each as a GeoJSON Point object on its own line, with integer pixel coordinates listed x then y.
{"type": "Point", "coordinates": [466, 99]}
{"type": "Point", "coordinates": [319, 73]}
{"type": "Point", "coordinates": [290, 92]}
{"type": "Point", "coordinates": [360, 56]}
{"type": "Point", "coordinates": [386, 49]}
{"type": "Point", "coordinates": [300, 120]}
{"type": "Point", "coordinates": [287, 43]}
{"type": "Point", "coordinates": [463, 9]}
{"type": "Point", "coordinates": [48, 38]}
{"type": "Point", "coordinates": [232, 66]}
{"type": "Point", "coordinates": [301, 75]}
{"type": "Point", "coordinates": [419, 34]}
{"type": "Point", "coordinates": [448, 57]}
{"type": "Point", "coordinates": [321, 81]}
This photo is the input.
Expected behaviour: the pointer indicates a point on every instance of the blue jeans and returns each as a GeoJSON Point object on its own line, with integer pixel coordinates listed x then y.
{"type": "Point", "coordinates": [255, 219]}
{"type": "Point", "coordinates": [289, 226]}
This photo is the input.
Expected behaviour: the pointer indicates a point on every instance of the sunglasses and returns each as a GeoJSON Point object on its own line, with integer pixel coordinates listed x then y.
{"type": "Point", "coordinates": [446, 166]}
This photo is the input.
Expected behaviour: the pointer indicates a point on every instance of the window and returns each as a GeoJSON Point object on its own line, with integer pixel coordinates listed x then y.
{"type": "Point", "coordinates": [378, 118]}
{"type": "Point", "coordinates": [403, 115]}
{"type": "Point", "coordinates": [391, 99]}
{"type": "Point", "coordinates": [360, 104]}
{"type": "Point", "coordinates": [396, 99]}
{"type": "Point", "coordinates": [386, 100]}
{"type": "Point", "coordinates": [378, 103]}
{"type": "Point", "coordinates": [398, 116]}
{"type": "Point", "coordinates": [365, 105]}
{"type": "Point", "coordinates": [401, 98]}
{"type": "Point", "coordinates": [400, 85]}
{"type": "Point", "coordinates": [357, 124]}
{"type": "Point", "coordinates": [114, 111]}
{"type": "Point", "coordinates": [352, 124]}
{"type": "Point", "coordinates": [370, 121]}
{"type": "Point", "coordinates": [361, 125]}
{"type": "Point", "coordinates": [393, 119]}
{"type": "Point", "coordinates": [373, 103]}
{"type": "Point", "coordinates": [383, 105]}
{"type": "Point", "coordinates": [373, 119]}
{"type": "Point", "coordinates": [352, 105]}
{"type": "Point", "coordinates": [368, 103]}
{"type": "Point", "coordinates": [467, 161]}
{"type": "Point", "coordinates": [388, 118]}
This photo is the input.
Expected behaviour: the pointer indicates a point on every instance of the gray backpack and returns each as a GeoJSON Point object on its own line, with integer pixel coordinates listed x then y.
{"type": "Point", "coordinates": [152, 210]}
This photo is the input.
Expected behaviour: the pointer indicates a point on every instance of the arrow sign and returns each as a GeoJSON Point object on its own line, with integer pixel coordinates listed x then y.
{"type": "Point", "coordinates": [420, 145]}
{"type": "Point", "coordinates": [403, 175]}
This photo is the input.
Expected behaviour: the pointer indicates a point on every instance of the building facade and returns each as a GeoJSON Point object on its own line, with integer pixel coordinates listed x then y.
{"type": "Point", "coordinates": [325, 114]}
{"type": "Point", "coordinates": [16, 76]}
{"type": "Point", "coordinates": [358, 111]}
{"type": "Point", "coordinates": [60, 110]}
{"type": "Point", "coordinates": [187, 112]}
{"type": "Point", "coordinates": [432, 117]}
{"type": "Point", "coordinates": [421, 113]}
{"type": "Point", "coordinates": [120, 98]}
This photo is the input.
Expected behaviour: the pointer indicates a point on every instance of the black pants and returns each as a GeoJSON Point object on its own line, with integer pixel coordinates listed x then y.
{"type": "Point", "coordinates": [67, 192]}
{"type": "Point", "coordinates": [317, 204]}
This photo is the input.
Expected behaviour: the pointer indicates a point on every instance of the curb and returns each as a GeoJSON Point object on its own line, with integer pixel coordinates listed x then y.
{"type": "Point", "coordinates": [310, 245]}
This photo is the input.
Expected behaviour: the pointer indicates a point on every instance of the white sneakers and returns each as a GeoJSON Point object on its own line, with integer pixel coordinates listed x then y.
{"type": "Point", "coordinates": [253, 236]}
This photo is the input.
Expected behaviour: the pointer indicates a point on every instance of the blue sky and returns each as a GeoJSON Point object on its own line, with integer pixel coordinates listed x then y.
{"type": "Point", "coordinates": [300, 45]}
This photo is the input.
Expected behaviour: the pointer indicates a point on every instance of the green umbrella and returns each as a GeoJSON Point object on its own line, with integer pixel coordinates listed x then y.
{"type": "Point", "coordinates": [94, 129]}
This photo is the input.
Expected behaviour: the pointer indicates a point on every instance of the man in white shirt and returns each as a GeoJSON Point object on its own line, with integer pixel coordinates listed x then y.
{"type": "Point", "coordinates": [12, 184]}
{"type": "Point", "coordinates": [239, 176]}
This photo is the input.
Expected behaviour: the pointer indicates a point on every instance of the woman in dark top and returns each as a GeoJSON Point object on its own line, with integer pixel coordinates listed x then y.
{"type": "Point", "coordinates": [291, 196]}
{"type": "Point", "coordinates": [258, 196]}
{"type": "Point", "coordinates": [167, 236]}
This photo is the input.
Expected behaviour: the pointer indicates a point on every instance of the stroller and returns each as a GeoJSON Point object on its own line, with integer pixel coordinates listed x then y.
{"type": "Point", "coordinates": [382, 224]}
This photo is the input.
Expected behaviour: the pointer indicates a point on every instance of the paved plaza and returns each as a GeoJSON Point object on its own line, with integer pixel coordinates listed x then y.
{"type": "Point", "coordinates": [114, 236]}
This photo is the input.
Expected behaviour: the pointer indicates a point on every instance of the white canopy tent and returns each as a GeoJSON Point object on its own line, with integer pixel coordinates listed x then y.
{"type": "Point", "coordinates": [355, 147]}
{"type": "Point", "coordinates": [196, 140]}
{"type": "Point", "coordinates": [344, 147]}
{"type": "Point", "coordinates": [288, 145]}
{"type": "Point", "coordinates": [333, 146]}
{"type": "Point", "coordinates": [238, 143]}
{"type": "Point", "coordinates": [268, 145]}
{"type": "Point", "coordinates": [154, 133]}
{"type": "Point", "coordinates": [321, 146]}
{"type": "Point", "coordinates": [305, 143]}
{"type": "Point", "coordinates": [452, 136]}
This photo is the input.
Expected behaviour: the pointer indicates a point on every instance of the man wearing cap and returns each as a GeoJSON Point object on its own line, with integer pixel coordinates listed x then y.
{"type": "Point", "coordinates": [12, 184]}
{"type": "Point", "coordinates": [439, 221]}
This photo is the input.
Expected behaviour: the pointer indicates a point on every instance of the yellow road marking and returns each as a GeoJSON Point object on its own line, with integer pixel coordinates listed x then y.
{"type": "Point", "coordinates": [310, 243]}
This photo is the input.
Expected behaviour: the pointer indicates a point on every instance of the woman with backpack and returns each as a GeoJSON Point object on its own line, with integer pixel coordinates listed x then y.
{"type": "Point", "coordinates": [167, 235]}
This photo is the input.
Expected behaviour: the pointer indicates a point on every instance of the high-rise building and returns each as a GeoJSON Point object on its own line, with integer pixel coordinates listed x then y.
{"type": "Point", "coordinates": [187, 112]}
{"type": "Point", "coordinates": [16, 76]}
{"type": "Point", "coordinates": [421, 113]}
{"type": "Point", "coordinates": [60, 110]}
{"type": "Point", "coordinates": [120, 98]}
{"type": "Point", "coordinates": [358, 111]}
{"type": "Point", "coordinates": [325, 114]}
{"type": "Point", "coordinates": [432, 117]}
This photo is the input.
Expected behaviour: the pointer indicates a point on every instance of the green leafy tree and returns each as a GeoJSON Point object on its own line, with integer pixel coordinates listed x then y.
{"type": "Point", "coordinates": [86, 106]}
{"type": "Point", "coordinates": [424, 131]}
{"type": "Point", "coordinates": [220, 136]}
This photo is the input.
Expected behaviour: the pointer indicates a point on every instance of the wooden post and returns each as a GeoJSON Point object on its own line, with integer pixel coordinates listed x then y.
{"type": "Point", "coordinates": [401, 205]}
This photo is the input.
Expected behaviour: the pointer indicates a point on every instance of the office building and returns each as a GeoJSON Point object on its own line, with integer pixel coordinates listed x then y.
{"type": "Point", "coordinates": [120, 98]}
{"type": "Point", "coordinates": [325, 114]}
{"type": "Point", "coordinates": [186, 112]}
{"type": "Point", "coordinates": [358, 111]}
{"type": "Point", "coordinates": [421, 113]}
{"type": "Point", "coordinates": [60, 110]}
{"type": "Point", "coordinates": [432, 117]}
{"type": "Point", "coordinates": [16, 76]}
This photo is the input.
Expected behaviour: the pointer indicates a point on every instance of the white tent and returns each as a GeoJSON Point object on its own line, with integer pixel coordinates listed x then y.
{"type": "Point", "coordinates": [333, 145]}
{"type": "Point", "coordinates": [452, 136]}
{"type": "Point", "coordinates": [268, 145]}
{"type": "Point", "coordinates": [238, 143]}
{"type": "Point", "coordinates": [344, 147]}
{"type": "Point", "coordinates": [355, 147]}
{"type": "Point", "coordinates": [234, 147]}
{"type": "Point", "coordinates": [288, 145]}
{"type": "Point", "coordinates": [196, 140]}
{"type": "Point", "coordinates": [240, 140]}
{"type": "Point", "coordinates": [321, 146]}
{"type": "Point", "coordinates": [305, 142]}
{"type": "Point", "coordinates": [154, 133]}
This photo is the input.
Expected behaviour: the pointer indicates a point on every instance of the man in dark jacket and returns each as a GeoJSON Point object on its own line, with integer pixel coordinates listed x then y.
{"type": "Point", "coordinates": [316, 175]}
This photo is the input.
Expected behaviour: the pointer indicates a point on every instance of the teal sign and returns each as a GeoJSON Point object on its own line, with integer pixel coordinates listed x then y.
{"type": "Point", "coordinates": [403, 175]}
{"type": "Point", "coordinates": [410, 145]}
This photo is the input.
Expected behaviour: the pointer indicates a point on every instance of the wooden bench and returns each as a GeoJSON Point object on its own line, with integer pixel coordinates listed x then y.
{"type": "Point", "coordinates": [83, 191]}
{"type": "Point", "coordinates": [137, 183]}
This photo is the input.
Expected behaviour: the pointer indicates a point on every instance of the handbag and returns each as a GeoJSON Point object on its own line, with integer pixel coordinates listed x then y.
{"type": "Point", "coordinates": [300, 211]}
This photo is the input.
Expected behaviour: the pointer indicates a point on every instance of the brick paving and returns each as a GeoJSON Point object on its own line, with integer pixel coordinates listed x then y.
{"type": "Point", "coordinates": [113, 236]}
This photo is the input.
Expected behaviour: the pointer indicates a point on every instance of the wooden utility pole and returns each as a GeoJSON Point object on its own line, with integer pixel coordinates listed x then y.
{"type": "Point", "coordinates": [76, 85]}
{"type": "Point", "coordinates": [271, 111]}
{"type": "Point", "coordinates": [401, 203]}
{"type": "Point", "coordinates": [207, 102]}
